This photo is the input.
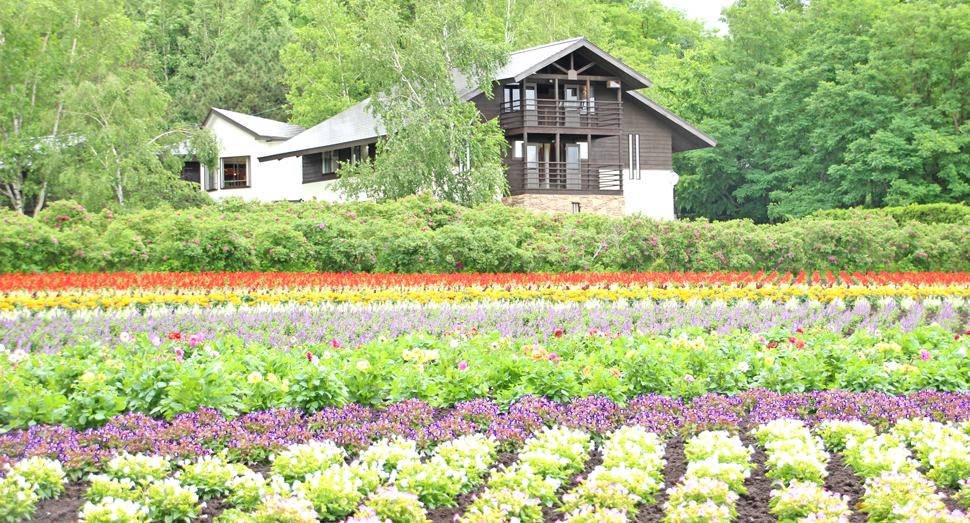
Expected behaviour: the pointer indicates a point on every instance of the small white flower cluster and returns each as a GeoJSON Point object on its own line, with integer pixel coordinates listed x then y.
{"type": "Point", "coordinates": [103, 486]}
{"type": "Point", "coordinates": [111, 510]}
{"type": "Point", "coordinates": [522, 477]}
{"type": "Point", "coordinates": [169, 500]}
{"type": "Point", "coordinates": [942, 449]}
{"type": "Point", "coordinates": [633, 457]}
{"type": "Point", "coordinates": [808, 501]}
{"type": "Point", "coordinates": [392, 504]}
{"type": "Point", "coordinates": [334, 491]}
{"type": "Point", "coordinates": [435, 482]}
{"type": "Point", "coordinates": [557, 451]}
{"type": "Point", "coordinates": [46, 475]}
{"type": "Point", "coordinates": [718, 454]}
{"type": "Point", "coordinates": [139, 468]}
{"type": "Point", "coordinates": [210, 475]}
{"type": "Point", "coordinates": [696, 500]}
{"type": "Point", "coordinates": [793, 452]}
{"type": "Point", "coordinates": [473, 453]}
{"type": "Point", "coordinates": [884, 453]}
{"type": "Point", "coordinates": [387, 453]}
{"type": "Point", "coordinates": [248, 490]}
{"type": "Point", "coordinates": [892, 496]}
{"type": "Point", "coordinates": [280, 509]}
{"type": "Point", "coordinates": [835, 433]}
{"type": "Point", "coordinates": [18, 498]}
{"type": "Point", "coordinates": [503, 506]}
{"type": "Point", "coordinates": [313, 456]}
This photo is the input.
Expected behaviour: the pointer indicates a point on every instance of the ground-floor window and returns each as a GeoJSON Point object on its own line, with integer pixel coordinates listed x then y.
{"type": "Point", "coordinates": [235, 172]}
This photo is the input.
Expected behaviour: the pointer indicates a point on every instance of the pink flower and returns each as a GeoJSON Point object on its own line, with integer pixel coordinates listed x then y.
{"type": "Point", "coordinates": [334, 344]}
{"type": "Point", "coordinates": [195, 339]}
{"type": "Point", "coordinates": [925, 355]}
{"type": "Point", "coordinates": [791, 340]}
{"type": "Point", "coordinates": [463, 365]}
{"type": "Point", "coordinates": [553, 356]}
{"type": "Point", "coordinates": [688, 378]}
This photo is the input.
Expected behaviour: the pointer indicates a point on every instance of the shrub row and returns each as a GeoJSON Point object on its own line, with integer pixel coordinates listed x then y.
{"type": "Point", "coordinates": [421, 235]}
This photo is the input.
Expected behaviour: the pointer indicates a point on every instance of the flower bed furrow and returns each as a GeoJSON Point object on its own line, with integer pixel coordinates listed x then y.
{"type": "Point", "coordinates": [378, 482]}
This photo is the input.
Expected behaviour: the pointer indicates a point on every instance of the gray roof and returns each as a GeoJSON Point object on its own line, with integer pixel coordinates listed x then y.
{"type": "Point", "coordinates": [352, 125]}
{"type": "Point", "coordinates": [527, 62]}
{"type": "Point", "coordinates": [685, 137]}
{"type": "Point", "coordinates": [261, 128]}
{"type": "Point", "coordinates": [357, 124]}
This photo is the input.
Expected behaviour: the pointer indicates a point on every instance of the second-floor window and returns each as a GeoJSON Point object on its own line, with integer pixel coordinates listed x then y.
{"type": "Point", "coordinates": [513, 93]}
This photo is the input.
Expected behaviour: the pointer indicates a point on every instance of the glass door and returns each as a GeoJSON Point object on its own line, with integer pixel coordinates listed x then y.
{"type": "Point", "coordinates": [574, 171]}
{"type": "Point", "coordinates": [571, 105]}
{"type": "Point", "coordinates": [530, 105]}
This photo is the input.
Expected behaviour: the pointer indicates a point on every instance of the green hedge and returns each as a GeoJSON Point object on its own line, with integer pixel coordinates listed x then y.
{"type": "Point", "coordinates": [929, 213]}
{"type": "Point", "coordinates": [418, 234]}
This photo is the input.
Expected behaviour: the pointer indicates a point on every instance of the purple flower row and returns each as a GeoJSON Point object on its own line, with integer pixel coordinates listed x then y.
{"type": "Point", "coordinates": [289, 326]}
{"type": "Point", "coordinates": [251, 438]}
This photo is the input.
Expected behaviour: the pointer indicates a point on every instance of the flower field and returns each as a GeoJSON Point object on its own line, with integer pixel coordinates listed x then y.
{"type": "Point", "coordinates": [366, 398]}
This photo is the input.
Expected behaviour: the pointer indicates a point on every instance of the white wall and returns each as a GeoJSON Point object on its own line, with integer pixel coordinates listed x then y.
{"type": "Point", "coordinates": [269, 181]}
{"type": "Point", "coordinates": [322, 191]}
{"type": "Point", "coordinates": [652, 195]}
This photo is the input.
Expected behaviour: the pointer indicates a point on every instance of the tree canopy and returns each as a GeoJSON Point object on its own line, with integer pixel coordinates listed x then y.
{"type": "Point", "coordinates": [815, 105]}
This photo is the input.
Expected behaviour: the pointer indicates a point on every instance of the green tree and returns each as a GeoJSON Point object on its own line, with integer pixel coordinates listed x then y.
{"type": "Point", "coordinates": [435, 141]}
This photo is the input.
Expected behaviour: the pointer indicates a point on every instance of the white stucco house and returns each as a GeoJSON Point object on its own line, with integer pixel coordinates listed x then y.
{"type": "Point", "coordinates": [581, 138]}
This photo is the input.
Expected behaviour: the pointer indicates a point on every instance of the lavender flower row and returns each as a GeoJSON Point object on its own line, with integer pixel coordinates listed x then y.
{"type": "Point", "coordinates": [251, 438]}
{"type": "Point", "coordinates": [287, 326]}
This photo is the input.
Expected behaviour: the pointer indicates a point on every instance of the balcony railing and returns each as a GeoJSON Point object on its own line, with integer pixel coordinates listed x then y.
{"type": "Point", "coordinates": [561, 114]}
{"type": "Point", "coordinates": [556, 177]}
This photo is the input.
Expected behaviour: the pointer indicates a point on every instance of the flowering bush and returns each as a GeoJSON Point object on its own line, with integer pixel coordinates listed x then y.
{"type": "Point", "coordinates": [388, 453]}
{"type": "Point", "coordinates": [834, 433]}
{"type": "Point", "coordinates": [635, 447]}
{"type": "Point", "coordinates": [801, 499]}
{"type": "Point", "coordinates": [697, 512]}
{"type": "Point", "coordinates": [793, 453]}
{"type": "Point", "coordinates": [473, 454]}
{"type": "Point", "coordinates": [733, 474]}
{"type": "Point", "coordinates": [963, 495]}
{"type": "Point", "coordinates": [46, 475]}
{"type": "Point", "coordinates": [639, 482]}
{"type": "Point", "coordinates": [692, 492]}
{"type": "Point", "coordinates": [721, 446]}
{"type": "Point", "coordinates": [248, 490]}
{"type": "Point", "coordinates": [390, 504]}
{"type": "Point", "coordinates": [139, 468]}
{"type": "Point", "coordinates": [521, 477]}
{"type": "Point", "coordinates": [503, 505]}
{"type": "Point", "coordinates": [334, 492]}
{"type": "Point", "coordinates": [873, 456]}
{"type": "Point", "coordinates": [210, 475]}
{"type": "Point", "coordinates": [591, 514]}
{"type": "Point", "coordinates": [557, 451]}
{"type": "Point", "coordinates": [168, 501]}
{"type": "Point", "coordinates": [936, 514]}
{"type": "Point", "coordinates": [434, 481]}
{"type": "Point", "coordinates": [17, 498]}
{"type": "Point", "coordinates": [279, 509]}
{"type": "Point", "coordinates": [600, 494]}
{"type": "Point", "coordinates": [298, 461]}
{"type": "Point", "coordinates": [891, 495]}
{"type": "Point", "coordinates": [103, 486]}
{"type": "Point", "coordinates": [111, 510]}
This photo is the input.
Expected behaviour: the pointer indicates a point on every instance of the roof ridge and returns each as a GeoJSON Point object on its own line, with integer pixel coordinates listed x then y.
{"type": "Point", "coordinates": [549, 44]}
{"type": "Point", "coordinates": [221, 110]}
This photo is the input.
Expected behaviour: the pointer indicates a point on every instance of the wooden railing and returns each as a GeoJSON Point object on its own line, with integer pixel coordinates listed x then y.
{"type": "Point", "coordinates": [561, 114]}
{"type": "Point", "coordinates": [556, 177]}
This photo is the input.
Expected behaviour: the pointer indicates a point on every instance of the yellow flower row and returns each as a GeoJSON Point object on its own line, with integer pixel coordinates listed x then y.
{"type": "Point", "coordinates": [368, 296]}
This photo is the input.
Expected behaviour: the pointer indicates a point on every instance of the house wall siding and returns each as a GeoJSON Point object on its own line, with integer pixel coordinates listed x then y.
{"type": "Point", "coordinates": [268, 181]}
{"type": "Point", "coordinates": [655, 148]}
{"type": "Point", "coordinates": [312, 167]}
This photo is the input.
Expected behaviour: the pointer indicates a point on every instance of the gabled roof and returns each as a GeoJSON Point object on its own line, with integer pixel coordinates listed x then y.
{"type": "Point", "coordinates": [527, 62]}
{"type": "Point", "coordinates": [260, 128]}
{"type": "Point", "coordinates": [685, 137]}
{"type": "Point", "coordinates": [357, 123]}
{"type": "Point", "coordinates": [352, 125]}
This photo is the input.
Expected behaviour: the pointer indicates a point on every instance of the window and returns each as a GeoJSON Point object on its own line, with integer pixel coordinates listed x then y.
{"type": "Point", "coordinates": [329, 162]}
{"type": "Point", "coordinates": [583, 150]}
{"type": "Point", "coordinates": [517, 147]}
{"type": "Point", "coordinates": [511, 100]}
{"type": "Point", "coordinates": [235, 172]}
{"type": "Point", "coordinates": [634, 156]}
{"type": "Point", "coordinates": [356, 155]}
{"type": "Point", "coordinates": [575, 207]}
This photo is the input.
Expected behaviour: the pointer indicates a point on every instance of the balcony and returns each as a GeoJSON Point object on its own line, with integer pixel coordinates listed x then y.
{"type": "Point", "coordinates": [564, 178]}
{"type": "Point", "coordinates": [553, 115]}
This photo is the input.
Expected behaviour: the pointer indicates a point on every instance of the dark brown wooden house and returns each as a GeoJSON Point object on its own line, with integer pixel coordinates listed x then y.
{"type": "Point", "coordinates": [581, 137]}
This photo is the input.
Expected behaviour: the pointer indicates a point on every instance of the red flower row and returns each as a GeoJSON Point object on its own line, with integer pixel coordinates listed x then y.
{"type": "Point", "coordinates": [277, 280]}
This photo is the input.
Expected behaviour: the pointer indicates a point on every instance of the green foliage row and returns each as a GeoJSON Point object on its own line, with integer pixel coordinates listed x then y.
{"type": "Point", "coordinates": [84, 386]}
{"type": "Point", "coordinates": [421, 235]}
{"type": "Point", "coordinates": [927, 213]}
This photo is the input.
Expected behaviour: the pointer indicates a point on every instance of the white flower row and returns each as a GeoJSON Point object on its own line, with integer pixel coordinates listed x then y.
{"type": "Point", "coordinates": [793, 452]}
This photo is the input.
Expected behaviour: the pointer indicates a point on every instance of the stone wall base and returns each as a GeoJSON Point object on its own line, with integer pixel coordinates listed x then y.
{"type": "Point", "coordinates": [608, 205]}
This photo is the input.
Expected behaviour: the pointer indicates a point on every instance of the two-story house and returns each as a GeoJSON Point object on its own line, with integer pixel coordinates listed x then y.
{"type": "Point", "coordinates": [581, 137]}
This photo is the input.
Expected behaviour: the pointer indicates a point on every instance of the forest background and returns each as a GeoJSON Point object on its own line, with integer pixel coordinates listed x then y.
{"type": "Point", "coordinates": [835, 104]}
